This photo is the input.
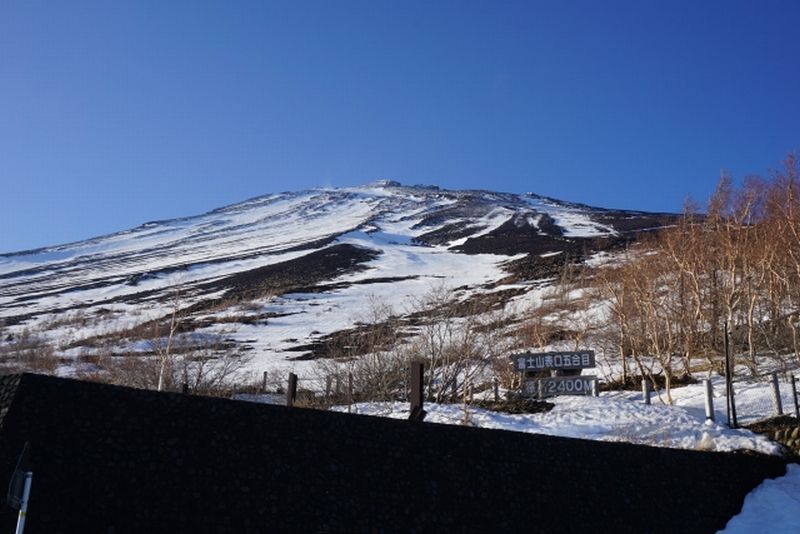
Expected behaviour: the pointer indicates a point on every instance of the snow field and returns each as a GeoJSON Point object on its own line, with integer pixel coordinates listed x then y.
{"type": "Point", "coordinates": [603, 418]}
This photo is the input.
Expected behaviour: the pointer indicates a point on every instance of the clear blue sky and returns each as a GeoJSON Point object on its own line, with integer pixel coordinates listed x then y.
{"type": "Point", "coordinates": [115, 113]}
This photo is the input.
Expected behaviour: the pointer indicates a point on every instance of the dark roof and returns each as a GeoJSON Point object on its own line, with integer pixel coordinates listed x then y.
{"type": "Point", "coordinates": [139, 461]}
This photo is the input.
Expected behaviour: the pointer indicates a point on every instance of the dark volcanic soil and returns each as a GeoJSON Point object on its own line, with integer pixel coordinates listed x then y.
{"type": "Point", "coordinates": [293, 275]}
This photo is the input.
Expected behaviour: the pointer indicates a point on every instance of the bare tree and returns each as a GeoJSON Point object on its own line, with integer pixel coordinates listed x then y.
{"type": "Point", "coordinates": [737, 265]}
{"type": "Point", "coordinates": [163, 347]}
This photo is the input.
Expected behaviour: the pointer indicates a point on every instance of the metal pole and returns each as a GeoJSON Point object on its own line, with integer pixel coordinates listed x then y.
{"type": "Point", "coordinates": [23, 504]}
{"type": "Point", "coordinates": [794, 397]}
{"type": "Point", "coordinates": [496, 390]}
{"type": "Point", "coordinates": [264, 383]}
{"type": "Point", "coordinates": [709, 400]}
{"type": "Point", "coordinates": [727, 390]}
{"type": "Point", "coordinates": [645, 391]}
{"type": "Point", "coordinates": [776, 394]}
{"type": "Point", "coordinates": [729, 382]}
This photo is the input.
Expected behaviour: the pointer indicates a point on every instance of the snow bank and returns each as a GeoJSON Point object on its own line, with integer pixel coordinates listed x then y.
{"type": "Point", "coordinates": [774, 506]}
{"type": "Point", "coordinates": [604, 419]}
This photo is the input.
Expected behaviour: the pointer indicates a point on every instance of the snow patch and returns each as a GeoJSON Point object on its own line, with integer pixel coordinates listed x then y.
{"type": "Point", "coordinates": [603, 418]}
{"type": "Point", "coordinates": [774, 506]}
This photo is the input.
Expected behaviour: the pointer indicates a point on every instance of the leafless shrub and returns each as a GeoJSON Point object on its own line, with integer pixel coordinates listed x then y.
{"type": "Point", "coordinates": [371, 357]}
{"type": "Point", "coordinates": [459, 343]}
{"type": "Point", "coordinates": [206, 365]}
{"type": "Point", "coordinates": [28, 352]}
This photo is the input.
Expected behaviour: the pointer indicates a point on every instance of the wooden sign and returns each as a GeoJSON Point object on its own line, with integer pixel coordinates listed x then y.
{"type": "Point", "coordinates": [553, 361]}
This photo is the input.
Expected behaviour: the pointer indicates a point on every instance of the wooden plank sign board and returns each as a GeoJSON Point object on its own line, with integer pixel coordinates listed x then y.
{"type": "Point", "coordinates": [550, 361]}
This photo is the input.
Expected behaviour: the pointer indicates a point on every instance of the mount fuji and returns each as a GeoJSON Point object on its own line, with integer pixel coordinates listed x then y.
{"type": "Point", "coordinates": [283, 271]}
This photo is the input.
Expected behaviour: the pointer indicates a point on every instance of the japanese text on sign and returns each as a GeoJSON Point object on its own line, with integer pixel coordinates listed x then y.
{"type": "Point", "coordinates": [561, 385]}
{"type": "Point", "coordinates": [545, 361]}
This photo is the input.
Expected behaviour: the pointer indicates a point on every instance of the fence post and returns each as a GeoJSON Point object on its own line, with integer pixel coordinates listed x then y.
{"type": "Point", "coordinates": [776, 394]}
{"type": "Point", "coordinates": [645, 391]}
{"type": "Point", "coordinates": [291, 390]}
{"type": "Point", "coordinates": [496, 390]}
{"type": "Point", "coordinates": [264, 382]}
{"type": "Point", "coordinates": [709, 400]}
{"type": "Point", "coordinates": [794, 397]}
{"type": "Point", "coordinates": [349, 392]}
{"type": "Point", "coordinates": [417, 412]}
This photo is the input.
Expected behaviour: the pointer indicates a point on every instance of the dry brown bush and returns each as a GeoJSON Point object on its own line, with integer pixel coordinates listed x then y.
{"type": "Point", "coordinates": [28, 352]}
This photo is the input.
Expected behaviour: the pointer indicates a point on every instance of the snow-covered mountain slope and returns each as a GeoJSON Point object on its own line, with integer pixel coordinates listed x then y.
{"type": "Point", "coordinates": [308, 259]}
